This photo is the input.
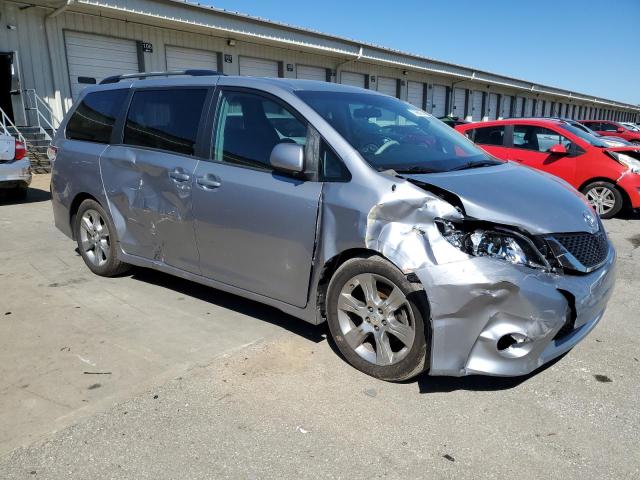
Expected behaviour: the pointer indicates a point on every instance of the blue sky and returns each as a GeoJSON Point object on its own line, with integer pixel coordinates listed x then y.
{"type": "Point", "coordinates": [588, 46]}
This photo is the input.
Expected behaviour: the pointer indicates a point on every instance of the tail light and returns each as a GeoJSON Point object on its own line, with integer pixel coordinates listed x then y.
{"type": "Point", "coordinates": [21, 150]}
{"type": "Point", "coordinates": [52, 152]}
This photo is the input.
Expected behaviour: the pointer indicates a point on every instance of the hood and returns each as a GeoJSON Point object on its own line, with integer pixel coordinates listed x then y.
{"type": "Point", "coordinates": [511, 194]}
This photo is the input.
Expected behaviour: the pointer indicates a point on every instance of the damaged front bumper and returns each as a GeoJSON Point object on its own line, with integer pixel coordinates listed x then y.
{"type": "Point", "coordinates": [493, 318]}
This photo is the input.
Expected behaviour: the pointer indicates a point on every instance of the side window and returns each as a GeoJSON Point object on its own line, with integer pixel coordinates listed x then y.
{"type": "Point", "coordinates": [609, 127]}
{"type": "Point", "coordinates": [165, 119]}
{"type": "Point", "coordinates": [489, 135]}
{"type": "Point", "coordinates": [249, 125]}
{"type": "Point", "coordinates": [94, 118]}
{"type": "Point", "coordinates": [537, 138]}
{"type": "Point", "coordinates": [331, 167]}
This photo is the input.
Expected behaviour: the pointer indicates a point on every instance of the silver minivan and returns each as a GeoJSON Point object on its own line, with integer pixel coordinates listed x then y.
{"type": "Point", "coordinates": [338, 204]}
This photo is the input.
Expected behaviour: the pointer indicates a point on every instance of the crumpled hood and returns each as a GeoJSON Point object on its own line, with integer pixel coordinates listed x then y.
{"type": "Point", "coordinates": [511, 194]}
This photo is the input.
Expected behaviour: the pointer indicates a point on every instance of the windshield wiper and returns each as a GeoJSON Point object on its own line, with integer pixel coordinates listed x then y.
{"type": "Point", "coordinates": [416, 169]}
{"type": "Point", "coordinates": [483, 163]}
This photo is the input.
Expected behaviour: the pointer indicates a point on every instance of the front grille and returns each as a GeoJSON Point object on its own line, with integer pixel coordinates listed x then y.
{"type": "Point", "coordinates": [590, 249]}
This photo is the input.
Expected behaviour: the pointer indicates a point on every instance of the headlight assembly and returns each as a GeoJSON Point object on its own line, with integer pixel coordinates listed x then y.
{"type": "Point", "coordinates": [628, 161]}
{"type": "Point", "coordinates": [496, 242]}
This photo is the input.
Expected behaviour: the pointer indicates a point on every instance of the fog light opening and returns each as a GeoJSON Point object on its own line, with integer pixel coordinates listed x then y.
{"type": "Point", "coordinates": [511, 339]}
{"type": "Point", "coordinates": [505, 342]}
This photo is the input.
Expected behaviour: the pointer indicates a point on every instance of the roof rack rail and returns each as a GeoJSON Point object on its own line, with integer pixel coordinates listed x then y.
{"type": "Point", "coordinates": [190, 72]}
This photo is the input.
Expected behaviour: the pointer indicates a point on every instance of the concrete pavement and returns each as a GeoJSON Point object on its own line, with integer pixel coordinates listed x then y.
{"type": "Point", "coordinates": [206, 385]}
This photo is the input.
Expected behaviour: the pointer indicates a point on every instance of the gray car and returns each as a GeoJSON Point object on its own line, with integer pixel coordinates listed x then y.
{"type": "Point", "coordinates": [338, 204]}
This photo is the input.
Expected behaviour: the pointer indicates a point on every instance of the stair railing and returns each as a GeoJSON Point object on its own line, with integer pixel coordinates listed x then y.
{"type": "Point", "coordinates": [38, 105]}
{"type": "Point", "coordinates": [5, 123]}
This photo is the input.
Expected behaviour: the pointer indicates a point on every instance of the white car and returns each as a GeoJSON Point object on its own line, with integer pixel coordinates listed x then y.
{"type": "Point", "coordinates": [15, 167]}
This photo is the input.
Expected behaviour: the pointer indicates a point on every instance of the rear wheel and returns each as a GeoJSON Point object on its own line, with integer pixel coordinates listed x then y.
{"type": "Point", "coordinates": [95, 234]}
{"type": "Point", "coordinates": [604, 197]}
{"type": "Point", "coordinates": [377, 319]}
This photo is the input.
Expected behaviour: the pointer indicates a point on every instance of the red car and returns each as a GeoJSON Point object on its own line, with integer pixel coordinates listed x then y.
{"type": "Point", "coordinates": [608, 176]}
{"type": "Point", "coordinates": [612, 129]}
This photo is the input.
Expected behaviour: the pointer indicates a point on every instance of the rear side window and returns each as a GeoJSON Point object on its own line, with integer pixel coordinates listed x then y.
{"type": "Point", "coordinates": [165, 119]}
{"type": "Point", "coordinates": [541, 139]}
{"type": "Point", "coordinates": [94, 118]}
{"type": "Point", "coordinates": [488, 135]}
{"type": "Point", "coordinates": [609, 127]}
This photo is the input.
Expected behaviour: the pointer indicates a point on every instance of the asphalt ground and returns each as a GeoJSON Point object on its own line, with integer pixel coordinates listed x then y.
{"type": "Point", "coordinates": [148, 376]}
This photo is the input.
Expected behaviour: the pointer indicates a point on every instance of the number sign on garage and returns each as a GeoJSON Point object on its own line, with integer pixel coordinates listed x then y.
{"type": "Point", "coordinates": [91, 58]}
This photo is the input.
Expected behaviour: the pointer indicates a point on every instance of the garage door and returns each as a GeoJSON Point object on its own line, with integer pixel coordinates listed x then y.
{"type": "Point", "coordinates": [181, 58]}
{"type": "Point", "coordinates": [519, 103]}
{"type": "Point", "coordinates": [458, 102]}
{"type": "Point", "coordinates": [492, 109]}
{"type": "Point", "coordinates": [547, 108]}
{"type": "Point", "coordinates": [415, 94]}
{"type": "Point", "coordinates": [505, 111]}
{"type": "Point", "coordinates": [439, 101]}
{"type": "Point", "coordinates": [91, 58]}
{"type": "Point", "coordinates": [528, 107]}
{"type": "Point", "coordinates": [476, 112]}
{"type": "Point", "coordinates": [258, 67]}
{"type": "Point", "coordinates": [306, 72]}
{"type": "Point", "coordinates": [388, 86]}
{"type": "Point", "coordinates": [353, 79]}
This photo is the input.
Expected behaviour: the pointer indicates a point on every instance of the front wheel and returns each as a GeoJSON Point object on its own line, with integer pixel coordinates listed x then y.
{"type": "Point", "coordinates": [95, 234]}
{"type": "Point", "coordinates": [604, 197]}
{"type": "Point", "coordinates": [378, 319]}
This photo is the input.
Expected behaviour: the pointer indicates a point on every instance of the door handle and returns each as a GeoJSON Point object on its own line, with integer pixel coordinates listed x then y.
{"type": "Point", "coordinates": [208, 182]}
{"type": "Point", "coordinates": [179, 176]}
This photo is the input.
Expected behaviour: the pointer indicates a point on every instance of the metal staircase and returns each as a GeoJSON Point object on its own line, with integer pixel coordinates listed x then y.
{"type": "Point", "coordinates": [38, 135]}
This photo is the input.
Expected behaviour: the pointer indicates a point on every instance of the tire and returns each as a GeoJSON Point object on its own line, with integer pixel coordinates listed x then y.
{"type": "Point", "coordinates": [605, 198]}
{"type": "Point", "coordinates": [390, 343]}
{"type": "Point", "coordinates": [96, 238]}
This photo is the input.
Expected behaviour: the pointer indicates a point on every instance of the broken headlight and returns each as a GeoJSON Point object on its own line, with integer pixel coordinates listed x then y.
{"type": "Point", "coordinates": [495, 242]}
{"type": "Point", "coordinates": [633, 164]}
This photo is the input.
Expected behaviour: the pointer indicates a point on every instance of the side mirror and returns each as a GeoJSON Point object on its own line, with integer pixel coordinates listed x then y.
{"type": "Point", "coordinates": [558, 149]}
{"type": "Point", "coordinates": [620, 130]}
{"type": "Point", "coordinates": [288, 158]}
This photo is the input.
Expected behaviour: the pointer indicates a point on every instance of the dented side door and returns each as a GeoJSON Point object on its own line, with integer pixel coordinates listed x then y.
{"type": "Point", "coordinates": [150, 196]}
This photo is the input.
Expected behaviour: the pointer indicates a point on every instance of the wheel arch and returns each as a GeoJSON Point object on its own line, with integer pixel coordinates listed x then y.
{"type": "Point", "coordinates": [75, 205]}
{"type": "Point", "coordinates": [332, 265]}
{"type": "Point", "coordinates": [625, 197]}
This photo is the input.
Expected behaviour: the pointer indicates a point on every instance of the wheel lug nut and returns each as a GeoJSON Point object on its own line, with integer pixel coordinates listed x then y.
{"type": "Point", "coordinates": [384, 322]}
{"type": "Point", "coordinates": [377, 327]}
{"type": "Point", "coordinates": [367, 320]}
{"type": "Point", "coordinates": [370, 309]}
{"type": "Point", "coordinates": [379, 310]}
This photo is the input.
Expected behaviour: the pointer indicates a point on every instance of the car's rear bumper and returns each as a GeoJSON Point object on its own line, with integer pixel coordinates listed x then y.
{"type": "Point", "coordinates": [630, 183]}
{"type": "Point", "coordinates": [477, 304]}
{"type": "Point", "coordinates": [15, 174]}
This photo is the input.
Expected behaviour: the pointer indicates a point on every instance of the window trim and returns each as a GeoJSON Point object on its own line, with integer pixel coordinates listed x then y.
{"type": "Point", "coordinates": [211, 125]}
{"type": "Point", "coordinates": [199, 152]}
{"type": "Point", "coordinates": [560, 134]}
{"type": "Point", "coordinates": [504, 135]}
{"type": "Point", "coordinates": [116, 122]}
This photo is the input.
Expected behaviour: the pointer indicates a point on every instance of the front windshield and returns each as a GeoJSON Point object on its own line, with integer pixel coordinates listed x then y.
{"type": "Point", "coordinates": [394, 135]}
{"type": "Point", "coordinates": [587, 137]}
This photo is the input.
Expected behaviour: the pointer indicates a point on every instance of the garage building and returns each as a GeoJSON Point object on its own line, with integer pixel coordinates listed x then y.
{"type": "Point", "coordinates": [50, 50]}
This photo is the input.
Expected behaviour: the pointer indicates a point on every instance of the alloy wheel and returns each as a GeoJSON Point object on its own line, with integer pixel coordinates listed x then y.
{"type": "Point", "coordinates": [602, 199]}
{"type": "Point", "coordinates": [375, 319]}
{"type": "Point", "coordinates": [94, 238]}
